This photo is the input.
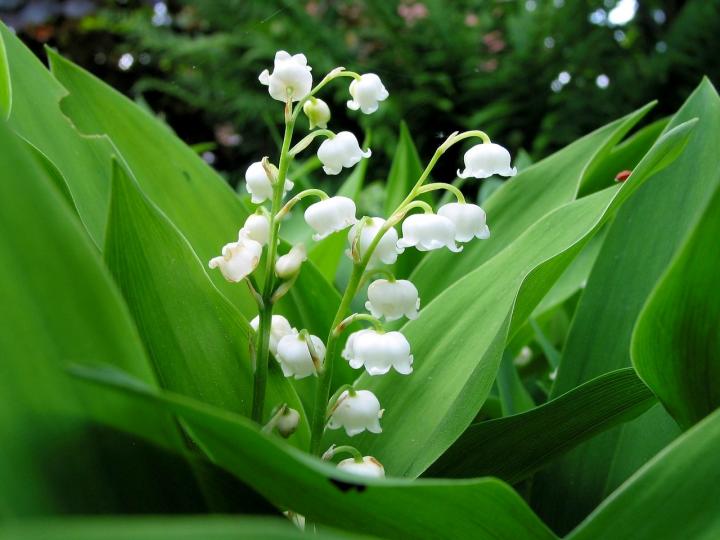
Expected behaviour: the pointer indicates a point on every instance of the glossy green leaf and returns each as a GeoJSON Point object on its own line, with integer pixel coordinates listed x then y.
{"type": "Point", "coordinates": [198, 342]}
{"type": "Point", "coordinates": [5, 84]}
{"type": "Point", "coordinates": [676, 343]}
{"type": "Point", "coordinates": [459, 337]}
{"type": "Point", "coordinates": [513, 395]}
{"type": "Point", "coordinates": [639, 245]}
{"type": "Point", "coordinates": [165, 528]}
{"type": "Point", "coordinates": [674, 495]}
{"type": "Point", "coordinates": [522, 201]}
{"type": "Point", "coordinates": [513, 447]}
{"type": "Point", "coordinates": [61, 306]}
{"type": "Point", "coordinates": [483, 508]}
{"type": "Point", "coordinates": [405, 170]}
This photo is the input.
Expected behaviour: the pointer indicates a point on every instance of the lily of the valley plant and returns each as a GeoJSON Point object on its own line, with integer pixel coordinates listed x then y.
{"type": "Point", "coordinates": [373, 242]}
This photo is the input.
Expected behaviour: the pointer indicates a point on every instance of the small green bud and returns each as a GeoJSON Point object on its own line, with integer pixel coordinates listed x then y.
{"type": "Point", "coordinates": [318, 112]}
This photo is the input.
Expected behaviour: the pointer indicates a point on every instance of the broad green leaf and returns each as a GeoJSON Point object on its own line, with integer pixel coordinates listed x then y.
{"type": "Point", "coordinates": [520, 202]}
{"type": "Point", "coordinates": [483, 508]}
{"type": "Point", "coordinates": [405, 170]}
{"type": "Point", "coordinates": [674, 495]}
{"type": "Point", "coordinates": [198, 342]}
{"type": "Point", "coordinates": [5, 84]}
{"type": "Point", "coordinates": [165, 528]}
{"type": "Point", "coordinates": [513, 395]}
{"type": "Point", "coordinates": [639, 245]}
{"type": "Point", "coordinates": [513, 447]}
{"type": "Point", "coordinates": [61, 306]}
{"type": "Point", "coordinates": [676, 343]}
{"type": "Point", "coordinates": [459, 337]}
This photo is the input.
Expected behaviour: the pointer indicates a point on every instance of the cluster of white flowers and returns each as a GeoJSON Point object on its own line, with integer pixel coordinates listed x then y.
{"type": "Point", "coordinates": [372, 243]}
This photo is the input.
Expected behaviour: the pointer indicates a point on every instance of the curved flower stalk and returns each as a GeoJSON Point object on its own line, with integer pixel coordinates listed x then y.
{"type": "Point", "coordinates": [372, 243]}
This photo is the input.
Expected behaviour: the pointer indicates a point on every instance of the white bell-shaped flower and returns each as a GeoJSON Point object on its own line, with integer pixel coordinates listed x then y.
{"type": "Point", "coordinates": [290, 79]}
{"type": "Point", "coordinates": [317, 112]}
{"type": "Point", "coordinates": [238, 260]}
{"type": "Point", "coordinates": [288, 265]}
{"type": "Point", "coordinates": [258, 184]}
{"type": "Point", "coordinates": [469, 220]}
{"type": "Point", "coordinates": [343, 150]}
{"type": "Point", "coordinates": [369, 467]}
{"type": "Point", "coordinates": [357, 413]}
{"type": "Point", "coordinates": [329, 216]}
{"type": "Point", "coordinates": [484, 160]}
{"type": "Point", "coordinates": [386, 251]}
{"type": "Point", "coordinates": [256, 227]}
{"type": "Point", "coordinates": [366, 92]}
{"type": "Point", "coordinates": [393, 299]}
{"type": "Point", "coordinates": [378, 352]}
{"type": "Point", "coordinates": [288, 422]}
{"type": "Point", "coordinates": [293, 354]}
{"type": "Point", "coordinates": [427, 232]}
{"type": "Point", "coordinates": [279, 328]}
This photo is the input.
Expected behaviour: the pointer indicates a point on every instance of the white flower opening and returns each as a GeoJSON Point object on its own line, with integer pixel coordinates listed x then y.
{"type": "Point", "coordinates": [357, 413]}
{"type": "Point", "coordinates": [258, 184]}
{"type": "Point", "coordinates": [378, 352]}
{"type": "Point", "coordinates": [385, 252]}
{"type": "Point", "coordinates": [393, 299]}
{"type": "Point", "coordinates": [366, 92]}
{"type": "Point", "coordinates": [256, 227]}
{"type": "Point", "coordinates": [238, 260]}
{"type": "Point", "coordinates": [294, 356]}
{"type": "Point", "coordinates": [469, 220]}
{"type": "Point", "coordinates": [428, 232]}
{"type": "Point", "coordinates": [329, 216]}
{"type": "Point", "coordinates": [369, 467]}
{"type": "Point", "coordinates": [290, 79]}
{"type": "Point", "coordinates": [343, 150]}
{"type": "Point", "coordinates": [279, 328]}
{"type": "Point", "coordinates": [488, 159]}
{"type": "Point", "coordinates": [288, 265]}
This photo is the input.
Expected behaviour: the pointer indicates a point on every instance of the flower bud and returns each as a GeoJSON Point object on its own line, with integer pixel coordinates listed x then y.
{"type": "Point", "coordinates": [469, 221]}
{"type": "Point", "coordinates": [369, 467]}
{"type": "Point", "coordinates": [290, 79]}
{"type": "Point", "coordinates": [294, 355]}
{"type": "Point", "coordinates": [356, 412]}
{"type": "Point", "coordinates": [288, 265]}
{"type": "Point", "coordinates": [238, 260]}
{"type": "Point", "coordinates": [343, 150]}
{"type": "Point", "coordinates": [378, 352]}
{"type": "Point", "coordinates": [287, 423]}
{"type": "Point", "coordinates": [386, 250]}
{"type": "Point", "coordinates": [366, 92]}
{"type": "Point", "coordinates": [428, 232]}
{"type": "Point", "coordinates": [257, 227]}
{"type": "Point", "coordinates": [318, 112]}
{"type": "Point", "coordinates": [259, 185]}
{"type": "Point", "coordinates": [329, 216]}
{"type": "Point", "coordinates": [393, 299]}
{"type": "Point", "coordinates": [484, 160]}
{"type": "Point", "coordinates": [279, 328]}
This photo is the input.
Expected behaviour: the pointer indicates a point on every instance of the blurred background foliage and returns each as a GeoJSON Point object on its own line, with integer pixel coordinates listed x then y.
{"type": "Point", "coordinates": [534, 74]}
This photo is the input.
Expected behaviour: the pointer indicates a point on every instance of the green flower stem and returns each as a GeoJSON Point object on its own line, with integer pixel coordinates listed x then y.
{"type": "Point", "coordinates": [346, 449]}
{"type": "Point", "coordinates": [347, 321]}
{"type": "Point", "coordinates": [447, 187]}
{"type": "Point", "coordinates": [309, 138]}
{"type": "Point", "coordinates": [334, 74]}
{"type": "Point", "coordinates": [297, 198]}
{"type": "Point", "coordinates": [263, 335]}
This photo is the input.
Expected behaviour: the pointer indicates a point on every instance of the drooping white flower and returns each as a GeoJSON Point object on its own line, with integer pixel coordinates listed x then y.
{"type": "Point", "coordinates": [256, 227]}
{"type": "Point", "coordinates": [487, 159]}
{"type": "Point", "coordinates": [378, 352]}
{"type": "Point", "coordinates": [343, 150]}
{"type": "Point", "coordinates": [279, 328]}
{"type": "Point", "coordinates": [427, 232]}
{"type": "Point", "coordinates": [356, 413]}
{"type": "Point", "coordinates": [288, 265]}
{"type": "Point", "coordinates": [393, 299]}
{"type": "Point", "coordinates": [258, 184]}
{"type": "Point", "coordinates": [238, 260]}
{"type": "Point", "coordinates": [294, 355]}
{"type": "Point", "coordinates": [318, 112]}
{"type": "Point", "coordinates": [469, 220]}
{"type": "Point", "coordinates": [366, 92]}
{"type": "Point", "coordinates": [288, 422]}
{"type": "Point", "coordinates": [369, 467]}
{"type": "Point", "coordinates": [290, 79]}
{"type": "Point", "coordinates": [329, 216]}
{"type": "Point", "coordinates": [386, 250]}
